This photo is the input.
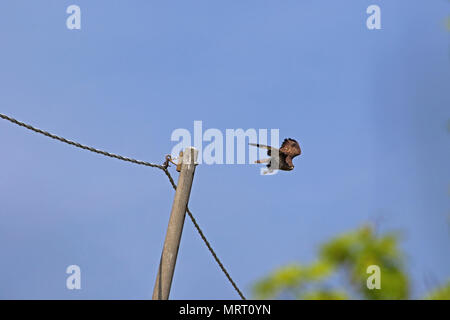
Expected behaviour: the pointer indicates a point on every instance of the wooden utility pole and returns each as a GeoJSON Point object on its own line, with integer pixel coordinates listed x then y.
{"type": "Point", "coordinates": [174, 230]}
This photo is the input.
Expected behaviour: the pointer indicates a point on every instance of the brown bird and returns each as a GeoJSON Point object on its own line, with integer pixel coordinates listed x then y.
{"type": "Point", "coordinates": [280, 159]}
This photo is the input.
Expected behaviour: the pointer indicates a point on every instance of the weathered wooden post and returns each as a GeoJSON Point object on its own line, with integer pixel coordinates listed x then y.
{"type": "Point", "coordinates": [169, 254]}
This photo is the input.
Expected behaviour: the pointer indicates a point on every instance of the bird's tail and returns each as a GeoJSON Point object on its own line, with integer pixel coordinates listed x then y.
{"type": "Point", "coordinates": [260, 146]}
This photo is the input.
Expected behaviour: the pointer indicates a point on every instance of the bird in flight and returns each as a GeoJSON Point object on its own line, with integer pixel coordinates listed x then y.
{"type": "Point", "coordinates": [280, 159]}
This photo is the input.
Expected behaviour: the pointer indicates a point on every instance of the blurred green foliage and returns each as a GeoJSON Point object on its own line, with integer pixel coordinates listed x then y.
{"type": "Point", "coordinates": [348, 255]}
{"type": "Point", "coordinates": [442, 293]}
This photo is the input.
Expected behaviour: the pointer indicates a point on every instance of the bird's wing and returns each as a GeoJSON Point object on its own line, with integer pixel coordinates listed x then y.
{"type": "Point", "coordinates": [288, 160]}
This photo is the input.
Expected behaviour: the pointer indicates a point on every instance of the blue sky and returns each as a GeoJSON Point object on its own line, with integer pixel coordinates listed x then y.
{"type": "Point", "coordinates": [369, 108]}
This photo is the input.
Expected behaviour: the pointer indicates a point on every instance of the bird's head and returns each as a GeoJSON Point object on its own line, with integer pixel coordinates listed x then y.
{"type": "Point", "coordinates": [292, 142]}
{"type": "Point", "coordinates": [293, 146]}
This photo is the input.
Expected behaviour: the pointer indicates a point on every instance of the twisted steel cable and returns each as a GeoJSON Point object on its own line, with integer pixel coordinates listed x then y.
{"type": "Point", "coordinates": [139, 162]}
